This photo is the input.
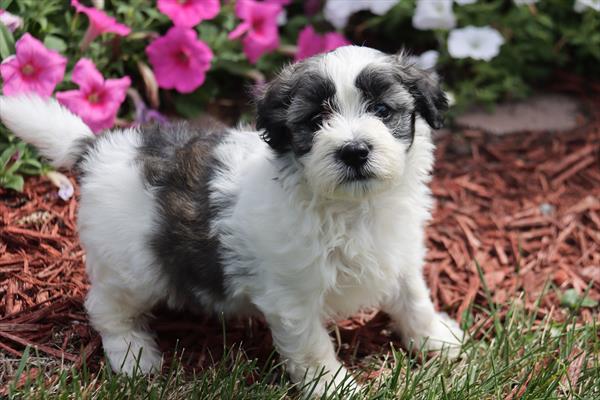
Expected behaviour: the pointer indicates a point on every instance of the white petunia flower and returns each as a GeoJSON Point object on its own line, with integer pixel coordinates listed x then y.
{"type": "Point", "coordinates": [12, 22]}
{"type": "Point", "coordinates": [582, 5]}
{"type": "Point", "coordinates": [339, 11]}
{"type": "Point", "coordinates": [434, 14]}
{"type": "Point", "coordinates": [480, 43]}
{"type": "Point", "coordinates": [427, 60]}
{"type": "Point", "coordinates": [381, 7]}
{"type": "Point", "coordinates": [465, 2]}
{"type": "Point", "coordinates": [282, 18]}
{"type": "Point", "coordinates": [524, 2]}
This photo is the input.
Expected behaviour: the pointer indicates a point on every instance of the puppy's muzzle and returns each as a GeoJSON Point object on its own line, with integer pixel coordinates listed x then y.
{"type": "Point", "coordinates": [355, 156]}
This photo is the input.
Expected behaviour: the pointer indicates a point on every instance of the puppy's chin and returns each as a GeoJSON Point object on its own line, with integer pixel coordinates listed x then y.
{"type": "Point", "coordinates": [328, 179]}
{"type": "Point", "coordinates": [344, 188]}
{"type": "Point", "coordinates": [358, 189]}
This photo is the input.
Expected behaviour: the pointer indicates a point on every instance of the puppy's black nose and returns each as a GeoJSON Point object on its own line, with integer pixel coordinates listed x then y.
{"type": "Point", "coordinates": [355, 154]}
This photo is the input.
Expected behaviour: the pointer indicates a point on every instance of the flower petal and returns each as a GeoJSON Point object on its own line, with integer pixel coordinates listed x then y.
{"type": "Point", "coordinates": [179, 59]}
{"type": "Point", "coordinates": [47, 68]}
{"type": "Point", "coordinates": [190, 12]}
{"type": "Point", "coordinates": [86, 75]}
{"type": "Point", "coordinates": [309, 43]}
{"type": "Point", "coordinates": [260, 26]}
{"type": "Point", "coordinates": [100, 21]}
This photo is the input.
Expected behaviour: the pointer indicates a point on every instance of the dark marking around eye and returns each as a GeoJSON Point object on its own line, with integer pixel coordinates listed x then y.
{"type": "Point", "coordinates": [387, 99]}
{"type": "Point", "coordinates": [309, 105]}
{"type": "Point", "coordinates": [314, 121]}
{"type": "Point", "coordinates": [381, 110]}
{"type": "Point", "coordinates": [374, 83]}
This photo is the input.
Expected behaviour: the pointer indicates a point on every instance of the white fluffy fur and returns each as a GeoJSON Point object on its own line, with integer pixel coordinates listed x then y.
{"type": "Point", "coordinates": [46, 124]}
{"type": "Point", "coordinates": [116, 216]}
{"type": "Point", "coordinates": [310, 250]}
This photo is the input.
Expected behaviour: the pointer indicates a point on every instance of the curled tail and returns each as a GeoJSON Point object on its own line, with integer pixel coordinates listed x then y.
{"type": "Point", "coordinates": [52, 129]}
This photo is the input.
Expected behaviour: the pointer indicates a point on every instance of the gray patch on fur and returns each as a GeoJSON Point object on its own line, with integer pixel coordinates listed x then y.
{"type": "Point", "coordinates": [424, 85]}
{"type": "Point", "coordinates": [178, 164]}
{"type": "Point", "coordinates": [293, 107]}
{"type": "Point", "coordinates": [391, 84]}
{"type": "Point", "coordinates": [379, 85]}
{"type": "Point", "coordinates": [81, 150]}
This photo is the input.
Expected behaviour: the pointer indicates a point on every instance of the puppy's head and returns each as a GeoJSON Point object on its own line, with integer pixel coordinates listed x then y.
{"type": "Point", "coordinates": [348, 117]}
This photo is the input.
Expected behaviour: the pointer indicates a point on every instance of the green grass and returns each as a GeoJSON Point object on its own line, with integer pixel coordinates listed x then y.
{"type": "Point", "coordinates": [513, 357]}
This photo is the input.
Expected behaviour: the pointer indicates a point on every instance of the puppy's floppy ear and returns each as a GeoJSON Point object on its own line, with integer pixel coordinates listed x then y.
{"type": "Point", "coordinates": [272, 104]}
{"type": "Point", "coordinates": [424, 85]}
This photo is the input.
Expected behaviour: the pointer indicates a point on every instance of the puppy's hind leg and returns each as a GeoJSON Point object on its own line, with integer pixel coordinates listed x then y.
{"type": "Point", "coordinates": [120, 316]}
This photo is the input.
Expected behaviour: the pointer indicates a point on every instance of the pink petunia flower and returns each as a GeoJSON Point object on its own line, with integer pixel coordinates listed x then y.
{"type": "Point", "coordinates": [11, 21]}
{"type": "Point", "coordinates": [33, 69]}
{"type": "Point", "coordinates": [311, 43]}
{"type": "Point", "coordinates": [280, 2]}
{"type": "Point", "coordinates": [100, 23]}
{"type": "Point", "coordinates": [179, 59]}
{"type": "Point", "coordinates": [188, 13]}
{"type": "Point", "coordinates": [259, 27]}
{"type": "Point", "coordinates": [97, 101]}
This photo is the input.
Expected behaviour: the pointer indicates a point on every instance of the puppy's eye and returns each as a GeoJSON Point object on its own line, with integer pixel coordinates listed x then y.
{"type": "Point", "coordinates": [381, 110]}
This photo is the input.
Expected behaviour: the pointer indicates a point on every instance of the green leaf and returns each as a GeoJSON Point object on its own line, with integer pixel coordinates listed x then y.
{"type": "Point", "coordinates": [55, 43]}
{"type": "Point", "coordinates": [7, 42]}
{"type": "Point", "coordinates": [6, 156]}
{"type": "Point", "coordinates": [14, 167]}
{"type": "Point", "coordinates": [208, 33]}
{"type": "Point", "coordinates": [32, 162]}
{"type": "Point", "coordinates": [233, 67]}
{"type": "Point", "coordinates": [22, 363]}
{"type": "Point", "coordinates": [14, 182]}
{"type": "Point", "coordinates": [43, 21]}
{"type": "Point", "coordinates": [191, 105]}
{"type": "Point", "coordinates": [571, 299]}
{"type": "Point", "coordinates": [5, 3]}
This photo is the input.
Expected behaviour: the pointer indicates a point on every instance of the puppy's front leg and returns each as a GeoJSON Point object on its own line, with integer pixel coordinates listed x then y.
{"type": "Point", "coordinates": [416, 321]}
{"type": "Point", "coordinates": [302, 340]}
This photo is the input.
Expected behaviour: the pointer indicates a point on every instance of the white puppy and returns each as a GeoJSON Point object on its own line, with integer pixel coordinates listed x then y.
{"type": "Point", "coordinates": [319, 213]}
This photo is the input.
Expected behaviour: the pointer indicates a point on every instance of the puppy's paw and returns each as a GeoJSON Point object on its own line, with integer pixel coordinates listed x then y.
{"type": "Point", "coordinates": [131, 353]}
{"type": "Point", "coordinates": [444, 336]}
{"type": "Point", "coordinates": [318, 381]}
{"type": "Point", "coordinates": [343, 384]}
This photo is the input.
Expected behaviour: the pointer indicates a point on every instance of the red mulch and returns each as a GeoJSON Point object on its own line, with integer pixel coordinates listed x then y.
{"type": "Point", "coordinates": [526, 207]}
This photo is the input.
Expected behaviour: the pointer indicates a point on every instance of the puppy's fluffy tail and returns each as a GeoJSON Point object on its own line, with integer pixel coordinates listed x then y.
{"type": "Point", "coordinates": [44, 123]}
